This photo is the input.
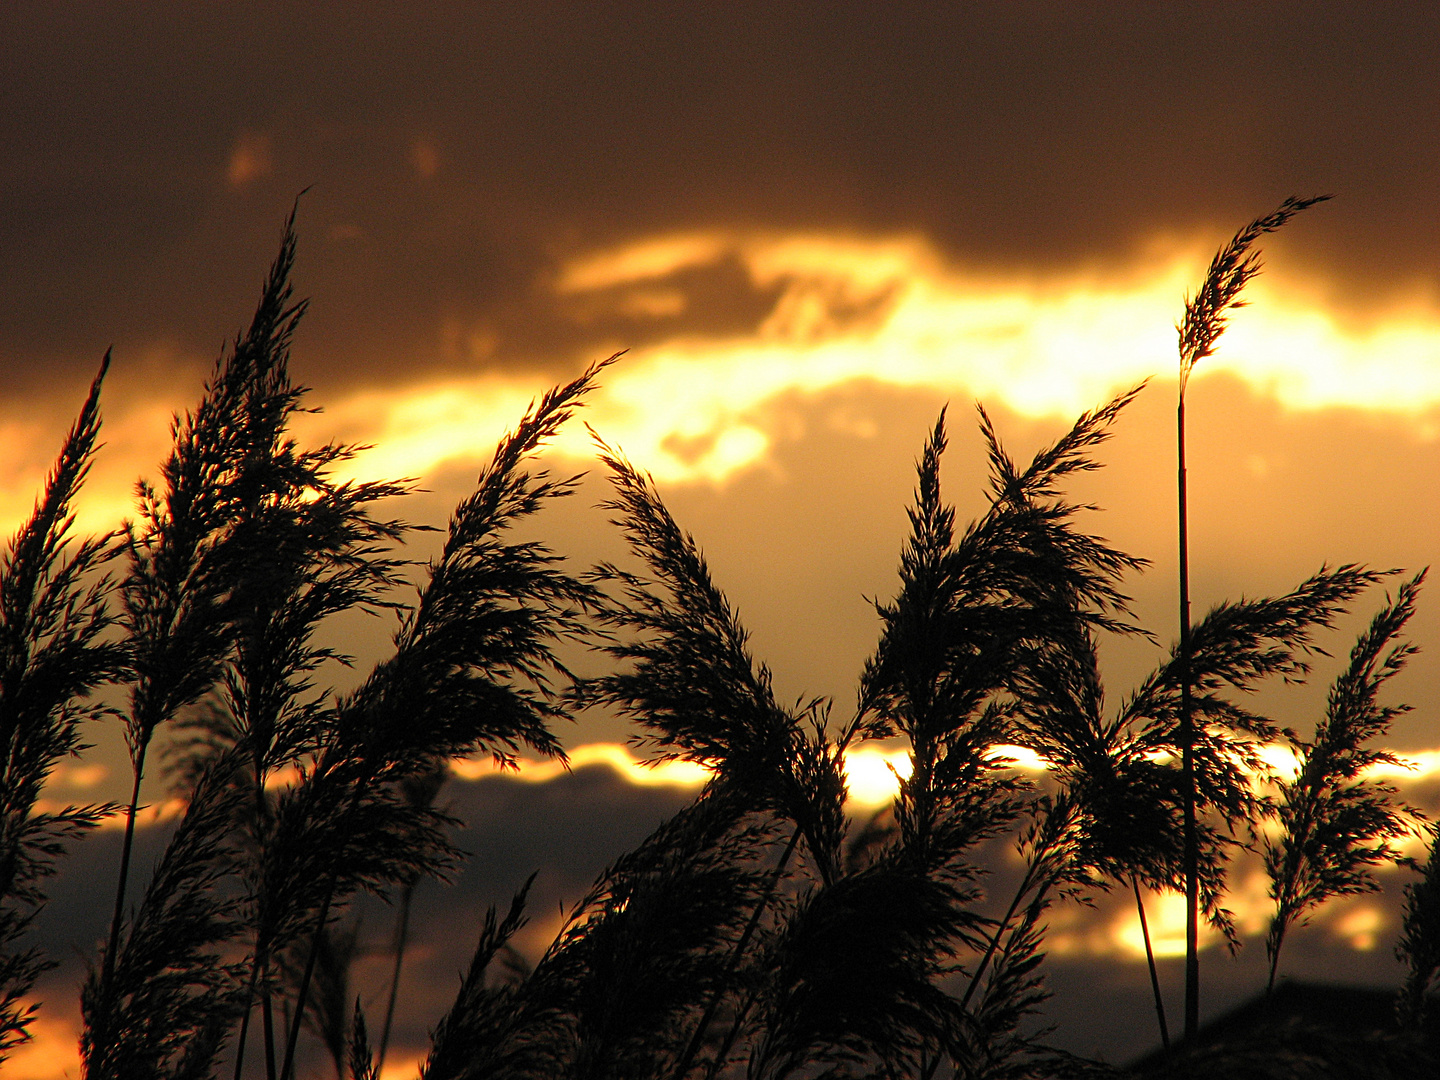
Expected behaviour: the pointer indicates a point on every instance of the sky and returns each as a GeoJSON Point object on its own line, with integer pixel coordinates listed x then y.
{"type": "Point", "coordinates": [812, 226]}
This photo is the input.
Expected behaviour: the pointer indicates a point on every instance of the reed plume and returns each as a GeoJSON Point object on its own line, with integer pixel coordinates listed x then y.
{"type": "Point", "coordinates": [164, 1003]}
{"type": "Point", "coordinates": [1335, 824]}
{"type": "Point", "coordinates": [692, 684]}
{"type": "Point", "coordinates": [495, 1030]}
{"type": "Point", "coordinates": [1419, 944]}
{"type": "Point", "coordinates": [972, 611]}
{"type": "Point", "coordinates": [54, 653]}
{"type": "Point", "coordinates": [1206, 316]}
{"type": "Point", "coordinates": [472, 672]}
{"type": "Point", "coordinates": [363, 1065]}
{"type": "Point", "coordinates": [182, 568]}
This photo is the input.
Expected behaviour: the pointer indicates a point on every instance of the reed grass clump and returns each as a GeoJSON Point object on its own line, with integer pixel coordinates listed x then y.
{"type": "Point", "coordinates": [759, 932]}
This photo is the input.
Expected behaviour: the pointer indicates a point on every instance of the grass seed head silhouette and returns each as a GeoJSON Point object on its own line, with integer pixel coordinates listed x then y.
{"type": "Point", "coordinates": [54, 652]}
{"type": "Point", "coordinates": [1419, 944]}
{"type": "Point", "coordinates": [1232, 268]}
{"type": "Point", "coordinates": [1337, 826]}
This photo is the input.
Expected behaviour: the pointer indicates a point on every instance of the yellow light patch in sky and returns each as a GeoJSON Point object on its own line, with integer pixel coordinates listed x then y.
{"type": "Point", "coordinates": [873, 775]}
{"type": "Point", "coordinates": [250, 159]}
{"type": "Point", "coordinates": [1280, 758]}
{"type": "Point", "coordinates": [692, 408]}
{"type": "Point", "coordinates": [53, 1050]}
{"type": "Point", "coordinates": [1413, 767]}
{"type": "Point", "coordinates": [154, 813]}
{"type": "Point", "coordinates": [81, 776]}
{"type": "Point", "coordinates": [1247, 899]}
{"type": "Point", "coordinates": [1361, 927]}
{"type": "Point", "coordinates": [1165, 916]}
{"type": "Point", "coordinates": [643, 260]}
{"type": "Point", "coordinates": [618, 757]}
{"type": "Point", "coordinates": [423, 426]}
{"type": "Point", "coordinates": [1018, 757]}
{"type": "Point", "coordinates": [867, 770]}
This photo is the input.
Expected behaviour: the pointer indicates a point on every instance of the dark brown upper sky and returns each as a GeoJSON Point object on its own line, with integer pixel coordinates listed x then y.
{"type": "Point", "coordinates": [462, 157]}
{"type": "Point", "coordinates": [458, 152]}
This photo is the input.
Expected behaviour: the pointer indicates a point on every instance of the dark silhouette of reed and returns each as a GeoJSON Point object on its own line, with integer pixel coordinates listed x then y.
{"type": "Point", "coordinates": [54, 652]}
{"type": "Point", "coordinates": [470, 674]}
{"type": "Point", "coordinates": [1206, 315]}
{"type": "Point", "coordinates": [419, 790]}
{"type": "Point", "coordinates": [1334, 826]}
{"type": "Point", "coordinates": [1419, 944]}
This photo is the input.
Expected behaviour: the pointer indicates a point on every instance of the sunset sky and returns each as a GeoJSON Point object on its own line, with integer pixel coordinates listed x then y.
{"type": "Point", "coordinates": [812, 226]}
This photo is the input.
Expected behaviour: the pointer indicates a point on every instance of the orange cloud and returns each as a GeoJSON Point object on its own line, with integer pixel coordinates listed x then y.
{"type": "Point", "coordinates": [643, 260]}
{"type": "Point", "coordinates": [617, 757]}
{"type": "Point", "coordinates": [424, 158]}
{"type": "Point", "coordinates": [692, 408]}
{"type": "Point", "coordinates": [250, 159]}
{"type": "Point", "coordinates": [53, 1052]}
{"type": "Point", "coordinates": [77, 776]}
{"type": "Point", "coordinates": [892, 312]}
{"type": "Point", "coordinates": [872, 773]}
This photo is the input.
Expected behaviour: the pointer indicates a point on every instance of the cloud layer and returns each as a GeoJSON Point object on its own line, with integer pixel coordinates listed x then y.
{"type": "Point", "coordinates": [568, 827]}
{"type": "Point", "coordinates": [461, 155]}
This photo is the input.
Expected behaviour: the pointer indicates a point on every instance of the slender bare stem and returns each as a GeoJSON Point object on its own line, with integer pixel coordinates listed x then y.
{"type": "Point", "coordinates": [304, 990]}
{"type": "Point", "coordinates": [301, 994]}
{"type": "Point", "coordinates": [267, 1013]}
{"type": "Point", "coordinates": [245, 1021]}
{"type": "Point", "coordinates": [1025, 884]}
{"type": "Point", "coordinates": [1150, 959]}
{"type": "Point", "coordinates": [125, 852]}
{"type": "Point", "coordinates": [694, 1045]}
{"type": "Point", "coordinates": [1187, 755]}
{"type": "Point", "coordinates": [402, 928]}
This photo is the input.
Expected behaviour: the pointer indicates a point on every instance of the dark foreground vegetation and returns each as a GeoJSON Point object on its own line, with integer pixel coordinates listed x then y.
{"type": "Point", "coordinates": [760, 932]}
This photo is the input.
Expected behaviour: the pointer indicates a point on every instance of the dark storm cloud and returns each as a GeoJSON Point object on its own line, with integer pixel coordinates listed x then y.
{"type": "Point", "coordinates": [459, 151]}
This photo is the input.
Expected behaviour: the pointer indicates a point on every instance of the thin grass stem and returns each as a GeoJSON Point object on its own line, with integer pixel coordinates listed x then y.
{"type": "Point", "coordinates": [1025, 885]}
{"type": "Point", "coordinates": [298, 1020]}
{"type": "Point", "coordinates": [126, 849]}
{"type": "Point", "coordinates": [402, 930]}
{"type": "Point", "coordinates": [693, 1047]}
{"type": "Point", "coordinates": [1187, 751]}
{"type": "Point", "coordinates": [1150, 960]}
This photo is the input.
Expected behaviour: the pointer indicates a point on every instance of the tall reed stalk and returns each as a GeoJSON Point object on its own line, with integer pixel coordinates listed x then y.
{"type": "Point", "coordinates": [1205, 318]}
{"type": "Point", "coordinates": [182, 567]}
{"type": "Point", "coordinates": [419, 790]}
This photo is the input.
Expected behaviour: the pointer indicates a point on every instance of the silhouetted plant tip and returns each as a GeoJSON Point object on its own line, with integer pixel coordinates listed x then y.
{"type": "Point", "coordinates": [472, 668]}
{"type": "Point", "coordinates": [54, 653]}
{"type": "Point", "coordinates": [1335, 827]}
{"type": "Point", "coordinates": [362, 1065]}
{"type": "Point", "coordinates": [1234, 265]}
{"type": "Point", "coordinates": [1419, 944]}
{"type": "Point", "coordinates": [1204, 321]}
